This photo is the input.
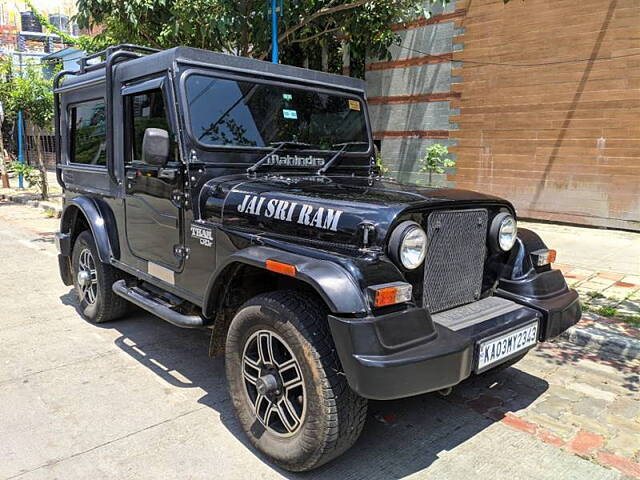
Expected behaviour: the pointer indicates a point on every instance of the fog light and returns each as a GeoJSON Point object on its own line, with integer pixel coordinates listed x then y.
{"type": "Point", "coordinates": [543, 257]}
{"type": "Point", "coordinates": [390, 293]}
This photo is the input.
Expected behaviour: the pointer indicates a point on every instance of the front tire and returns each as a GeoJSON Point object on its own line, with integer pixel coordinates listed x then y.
{"type": "Point", "coordinates": [93, 282]}
{"type": "Point", "coordinates": [286, 382]}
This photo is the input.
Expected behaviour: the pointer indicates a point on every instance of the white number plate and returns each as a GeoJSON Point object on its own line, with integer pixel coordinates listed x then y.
{"type": "Point", "coordinates": [497, 349]}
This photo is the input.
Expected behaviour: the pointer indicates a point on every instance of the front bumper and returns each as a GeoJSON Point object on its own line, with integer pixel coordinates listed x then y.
{"type": "Point", "coordinates": [406, 353]}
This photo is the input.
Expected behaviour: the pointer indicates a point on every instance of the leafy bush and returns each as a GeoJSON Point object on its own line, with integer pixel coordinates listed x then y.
{"type": "Point", "coordinates": [435, 160]}
{"type": "Point", "coordinates": [30, 174]}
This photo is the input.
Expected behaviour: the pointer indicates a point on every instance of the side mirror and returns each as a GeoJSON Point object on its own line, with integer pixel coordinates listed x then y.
{"type": "Point", "coordinates": [155, 147]}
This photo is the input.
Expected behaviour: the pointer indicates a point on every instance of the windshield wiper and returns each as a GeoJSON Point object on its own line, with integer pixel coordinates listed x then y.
{"type": "Point", "coordinates": [278, 146]}
{"type": "Point", "coordinates": [344, 146]}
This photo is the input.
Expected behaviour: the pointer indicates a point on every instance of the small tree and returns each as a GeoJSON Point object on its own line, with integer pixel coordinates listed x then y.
{"type": "Point", "coordinates": [30, 92]}
{"type": "Point", "coordinates": [435, 160]}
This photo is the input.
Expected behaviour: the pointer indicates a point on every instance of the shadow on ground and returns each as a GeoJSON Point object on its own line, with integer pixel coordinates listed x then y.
{"type": "Point", "coordinates": [400, 437]}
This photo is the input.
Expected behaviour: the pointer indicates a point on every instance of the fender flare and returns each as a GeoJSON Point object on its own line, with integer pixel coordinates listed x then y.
{"type": "Point", "coordinates": [518, 263]}
{"type": "Point", "coordinates": [333, 283]}
{"type": "Point", "coordinates": [97, 219]}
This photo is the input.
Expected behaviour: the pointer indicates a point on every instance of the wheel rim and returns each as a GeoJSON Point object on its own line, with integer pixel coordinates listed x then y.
{"type": "Point", "coordinates": [274, 383]}
{"type": "Point", "coordinates": [87, 277]}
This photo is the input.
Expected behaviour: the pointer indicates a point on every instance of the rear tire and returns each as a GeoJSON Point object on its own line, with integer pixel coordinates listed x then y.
{"type": "Point", "coordinates": [323, 417]}
{"type": "Point", "coordinates": [93, 281]}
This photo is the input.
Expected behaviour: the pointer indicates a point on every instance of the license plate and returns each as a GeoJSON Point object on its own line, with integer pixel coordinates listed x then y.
{"type": "Point", "coordinates": [500, 348]}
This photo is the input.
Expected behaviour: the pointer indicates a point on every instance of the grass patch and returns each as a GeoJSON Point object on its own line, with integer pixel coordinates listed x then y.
{"type": "Point", "coordinates": [631, 319]}
{"type": "Point", "coordinates": [593, 295]}
{"type": "Point", "coordinates": [607, 311]}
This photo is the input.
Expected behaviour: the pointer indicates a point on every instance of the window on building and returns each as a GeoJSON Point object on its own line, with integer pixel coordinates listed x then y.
{"type": "Point", "coordinates": [146, 110]}
{"type": "Point", "coordinates": [88, 133]}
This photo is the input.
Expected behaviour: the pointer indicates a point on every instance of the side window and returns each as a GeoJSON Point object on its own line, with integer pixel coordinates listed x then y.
{"type": "Point", "coordinates": [146, 110]}
{"type": "Point", "coordinates": [88, 133]}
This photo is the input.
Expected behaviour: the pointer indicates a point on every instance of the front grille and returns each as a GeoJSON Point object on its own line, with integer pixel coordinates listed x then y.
{"type": "Point", "coordinates": [455, 258]}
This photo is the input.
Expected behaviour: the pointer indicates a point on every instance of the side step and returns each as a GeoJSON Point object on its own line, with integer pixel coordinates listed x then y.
{"type": "Point", "coordinates": [156, 305]}
{"type": "Point", "coordinates": [476, 312]}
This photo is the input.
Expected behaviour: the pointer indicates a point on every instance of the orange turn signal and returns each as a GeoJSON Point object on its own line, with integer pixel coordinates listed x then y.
{"type": "Point", "coordinates": [385, 296]}
{"type": "Point", "coordinates": [543, 257]}
{"type": "Point", "coordinates": [390, 294]}
{"type": "Point", "coordinates": [280, 267]}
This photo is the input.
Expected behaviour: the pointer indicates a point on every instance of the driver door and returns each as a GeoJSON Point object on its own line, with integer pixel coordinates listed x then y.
{"type": "Point", "coordinates": [154, 219]}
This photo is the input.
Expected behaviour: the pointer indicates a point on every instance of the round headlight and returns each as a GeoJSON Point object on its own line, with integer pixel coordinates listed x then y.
{"type": "Point", "coordinates": [504, 231]}
{"type": "Point", "coordinates": [408, 245]}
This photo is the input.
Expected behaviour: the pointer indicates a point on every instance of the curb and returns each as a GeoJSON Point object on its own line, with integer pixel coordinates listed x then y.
{"type": "Point", "coordinates": [49, 207]}
{"type": "Point", "coordinates": [602, 341]}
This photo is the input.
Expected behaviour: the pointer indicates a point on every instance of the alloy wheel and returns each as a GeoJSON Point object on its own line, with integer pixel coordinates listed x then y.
{"type": "Point", "coordinates": [274, 383]}
{"type": "Point", "coordinates": [87, 277]}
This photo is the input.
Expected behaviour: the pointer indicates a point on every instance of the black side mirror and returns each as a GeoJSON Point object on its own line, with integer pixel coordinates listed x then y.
{"type": "Point", "coordinates": [155, 147]}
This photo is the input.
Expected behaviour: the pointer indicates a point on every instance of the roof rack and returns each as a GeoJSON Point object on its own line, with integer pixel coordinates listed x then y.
{"type": "Point", "coordinates": [104, 55]}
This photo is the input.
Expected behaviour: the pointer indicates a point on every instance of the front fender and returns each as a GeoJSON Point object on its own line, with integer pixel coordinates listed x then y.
{"type": "Point", "coordinates": [97, 219]}
{"type": "Point", "coordinates": [332, 282]}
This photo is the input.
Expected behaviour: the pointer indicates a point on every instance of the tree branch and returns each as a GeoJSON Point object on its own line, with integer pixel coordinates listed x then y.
{"type": "Point", "coordinates": [306, 39]}
{"type": "Point", "coordinates": [309, 18]}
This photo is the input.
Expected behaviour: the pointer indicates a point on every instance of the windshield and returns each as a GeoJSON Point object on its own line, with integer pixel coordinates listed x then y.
{"type": "Point", "coordinates": [247, 114]}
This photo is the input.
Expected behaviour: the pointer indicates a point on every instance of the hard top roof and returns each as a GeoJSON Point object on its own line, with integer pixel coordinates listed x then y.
{"type": "Point", "coordinates": [164, 59]}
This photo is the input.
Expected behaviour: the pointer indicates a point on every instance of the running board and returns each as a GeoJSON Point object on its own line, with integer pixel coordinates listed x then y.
{"type": "Point", "coordinates": [158, 307]}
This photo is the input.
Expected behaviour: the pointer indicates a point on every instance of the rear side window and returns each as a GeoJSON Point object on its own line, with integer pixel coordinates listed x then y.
{"type": "Point", "coordinates": [88, 133]}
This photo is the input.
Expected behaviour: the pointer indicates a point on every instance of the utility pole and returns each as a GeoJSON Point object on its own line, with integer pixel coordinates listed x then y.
{"type": "Point", "coordinates": [274, 32]}
{"type": "Point", "coordinates": [20, 153]}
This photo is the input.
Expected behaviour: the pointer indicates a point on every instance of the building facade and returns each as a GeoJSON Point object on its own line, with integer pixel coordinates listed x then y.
{"type": "Point", "coordinates": [538, 101]}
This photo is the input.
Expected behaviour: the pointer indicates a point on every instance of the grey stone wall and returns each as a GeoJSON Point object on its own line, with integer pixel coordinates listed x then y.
{"type": "Point", "coordinates": [401, 154]}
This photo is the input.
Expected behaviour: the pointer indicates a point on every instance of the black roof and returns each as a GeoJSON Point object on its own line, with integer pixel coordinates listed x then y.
{"type": "Point", "coordinates": [164, 59]}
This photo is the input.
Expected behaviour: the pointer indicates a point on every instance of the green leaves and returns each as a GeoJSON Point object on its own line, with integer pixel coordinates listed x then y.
{"type": "Point", "coordinates": [243, 27]}
{"type": "Point", "coordinates": [28, 91]}
{"type": "Point", "coordinates": [435, 160]}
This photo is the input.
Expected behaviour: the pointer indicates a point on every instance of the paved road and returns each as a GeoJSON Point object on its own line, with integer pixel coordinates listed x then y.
{"type": "Point", "coordinates": [139, 398]}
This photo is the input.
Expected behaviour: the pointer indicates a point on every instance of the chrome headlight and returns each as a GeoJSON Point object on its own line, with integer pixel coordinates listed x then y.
{"type": "Point", "coordinates": [503, 232]}
{"type": "Point", "coordinates": [408, 245]}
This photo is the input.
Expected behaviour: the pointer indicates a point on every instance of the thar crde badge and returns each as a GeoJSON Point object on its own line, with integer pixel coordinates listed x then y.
{"type": "Point", "coordinates": [294, 212]}
{"type": "Point", "coordinates": [203, 233]}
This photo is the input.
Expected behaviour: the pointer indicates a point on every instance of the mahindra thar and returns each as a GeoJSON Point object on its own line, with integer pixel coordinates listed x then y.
{"type": "Point", "coordinates": [242, 197]}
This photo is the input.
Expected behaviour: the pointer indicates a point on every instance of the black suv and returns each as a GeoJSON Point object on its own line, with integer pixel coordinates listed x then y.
{"type": "Point", "coordinates": [236, 195]}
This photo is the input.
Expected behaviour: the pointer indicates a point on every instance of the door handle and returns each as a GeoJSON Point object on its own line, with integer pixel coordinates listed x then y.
{"type": "Point", "coordinates": [168, 173]}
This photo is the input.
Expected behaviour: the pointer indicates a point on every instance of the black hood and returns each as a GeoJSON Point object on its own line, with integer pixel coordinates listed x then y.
{"type": "Point", "coordinates": [330, 209]}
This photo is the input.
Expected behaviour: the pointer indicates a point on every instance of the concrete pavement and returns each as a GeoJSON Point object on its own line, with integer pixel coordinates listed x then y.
{"type": "Point", "coordinates": [139, 398]}
{"type": "Point", "coordinates": [591, 249]}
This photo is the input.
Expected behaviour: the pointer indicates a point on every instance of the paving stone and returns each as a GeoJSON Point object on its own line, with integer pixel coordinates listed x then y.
{"type": "Point", "coordinates": [562, 429]}
{"type": "Point", "coordinates": [635, 279]}
{"type": "Point", "coordinates": [564, 393]}
{"type": "Point", "coordinates": [585, 423]}
{"type": "Point", "coordinates": [601, 281]}
{"type": "Point", "coordinates": [627, 408]}
{"type": "Point", "coordinates": [553, 407]}
{"type": "Point", "coordinates": [618, 292]}
{"type": "Point", "coordinates": [586, 442]}
{"type": "Point", "coordinates": [611, 276]}
{"type": "Point", "coordinates": [590, 407]}
{"type": "Point", "coordinates": [629, 306]}
{"type": "Point", "coordinates": [624, 424]}
{"type": "Point", "coordinates": [625, 443]}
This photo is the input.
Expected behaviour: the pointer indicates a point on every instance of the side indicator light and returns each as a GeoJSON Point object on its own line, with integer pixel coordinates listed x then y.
{"type": "Point", "coordinates": [543, 257]}
{"type": "Point", "coordinates": [390, 294]}
{"type": "Point", "coordinates": [280, 267]}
